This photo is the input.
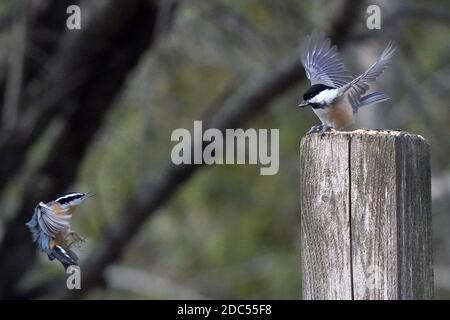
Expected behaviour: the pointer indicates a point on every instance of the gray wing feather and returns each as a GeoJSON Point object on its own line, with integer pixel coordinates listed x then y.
{"type": "Point", "coordinates": [50, 223]}
{"type": "Point", "coordinates": [322, 62]}
{"type": "Point", "coordinates": [360, 85]}
{"type": "Point", "coordinates": [371, 98]}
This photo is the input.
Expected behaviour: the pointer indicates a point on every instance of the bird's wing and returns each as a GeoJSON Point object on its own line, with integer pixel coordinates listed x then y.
{"type": "Point", "coordinates": [360, 85]}
{"type": "Point", "coordinates": [52, 224]}
{"type": "Point", "coordinates": [322, 62]}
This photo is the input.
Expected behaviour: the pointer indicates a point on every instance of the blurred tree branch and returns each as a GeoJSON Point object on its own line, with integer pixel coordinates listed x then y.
{"type": "Point", "coordinates": [46, 26]}
{"type": "Point", "coordinates": [13, 87]}
{"type": "Point", "coordinates": [148, 284]}
{"type": "Point", "coordinates": [252, 99]}
{"type": "Point", "coordinates": [402, 11]}
{"type": "Point", "coordinates": [408, 9]}
{"type": "Point", "coordinates": [86, 73]}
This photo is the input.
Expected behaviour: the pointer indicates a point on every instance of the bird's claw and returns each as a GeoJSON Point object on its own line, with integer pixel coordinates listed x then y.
{"type": "Point", "coordinates": [74, 239]}
{"type": "Point", "coordinates": [325, 129]}
{"type": "Point", "coordinates": [314, 129]}
{"type": "Point", "coordinates": [322, 129]}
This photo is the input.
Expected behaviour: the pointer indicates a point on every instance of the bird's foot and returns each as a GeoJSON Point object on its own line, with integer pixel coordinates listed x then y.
{"type": "Point", "coordinates": [326, 129]}
{"type": "Point", "coordinates": [314, 129]}
{"type": "Point", "coordinates": [74, 239]}
{"type": "Point", "coordinates": [322, 129]}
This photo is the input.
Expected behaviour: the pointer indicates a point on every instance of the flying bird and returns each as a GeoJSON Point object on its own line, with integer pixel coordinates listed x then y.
{"type": "Point", "coordinates": [50, 227]}
{"type": "Point", "coordinates": [335, 95]}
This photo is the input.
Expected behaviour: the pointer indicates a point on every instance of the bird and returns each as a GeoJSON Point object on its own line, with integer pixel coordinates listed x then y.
{"type": "Point", "coordinates": [50, 227]}
{"type": "Point", "coordinates": [334, 95]}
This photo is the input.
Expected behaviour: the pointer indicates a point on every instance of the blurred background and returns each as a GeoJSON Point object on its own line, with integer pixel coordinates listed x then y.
{"type": "Point", "coordinates": [93, 110]}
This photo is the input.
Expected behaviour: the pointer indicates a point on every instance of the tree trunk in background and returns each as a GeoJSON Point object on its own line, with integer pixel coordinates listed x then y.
{"type": "Point", "coordinates": [250, 100]}
{"type": "Point", "coordinates": [99, 58]}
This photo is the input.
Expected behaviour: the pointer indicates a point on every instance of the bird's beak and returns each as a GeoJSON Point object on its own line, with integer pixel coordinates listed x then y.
{"type": "Point", "coordinates": [303, 104]}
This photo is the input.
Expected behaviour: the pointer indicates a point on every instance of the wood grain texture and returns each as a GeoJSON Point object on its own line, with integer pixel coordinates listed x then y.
{"type": "Point", "coordinates": [373, 239]}
{"type": "Point", "coordinates": [374, 227]}
{"type": "Point", "coordinates": [325, 221]}
{"type": "Point", "coordinates": [415, 273]}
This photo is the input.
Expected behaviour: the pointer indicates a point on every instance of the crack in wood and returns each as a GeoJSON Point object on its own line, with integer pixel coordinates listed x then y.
{"type": "Point", "coordinates": [365, 216]}
{"type": "Point", "coordinates": [350, 213]}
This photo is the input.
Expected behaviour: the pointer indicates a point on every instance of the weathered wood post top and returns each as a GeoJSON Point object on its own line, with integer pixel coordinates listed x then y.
{"type": "Point", "coordinates": [365, 200]}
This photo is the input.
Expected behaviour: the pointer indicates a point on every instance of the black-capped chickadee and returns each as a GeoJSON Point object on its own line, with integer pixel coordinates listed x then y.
{"type": "Point", "coordinates": [50, 227]}
{"type": "Point", "coordinates": [334, 95]}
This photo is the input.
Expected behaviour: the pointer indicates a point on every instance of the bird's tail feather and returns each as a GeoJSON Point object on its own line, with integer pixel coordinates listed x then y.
{"type": "Point", "coordinates": [64, 255]}
{"type": "Point", "coordinates": [371, 98]}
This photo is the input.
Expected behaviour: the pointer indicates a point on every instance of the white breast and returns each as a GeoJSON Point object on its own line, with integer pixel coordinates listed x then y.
{"type": "Point", "coordinates": [325, 97]}
{"type": "Point", "coordinates": [338, 114]}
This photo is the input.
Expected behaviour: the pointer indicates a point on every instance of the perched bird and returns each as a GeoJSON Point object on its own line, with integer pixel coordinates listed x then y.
{"type": "Point", "coordinates": [334, 95]}
{"type": "Point", "coordinates": [50, 227]}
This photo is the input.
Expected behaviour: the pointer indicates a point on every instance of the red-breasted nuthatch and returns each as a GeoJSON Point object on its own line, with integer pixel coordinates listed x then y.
{"type": "Point", "coordinates": [50, 227]}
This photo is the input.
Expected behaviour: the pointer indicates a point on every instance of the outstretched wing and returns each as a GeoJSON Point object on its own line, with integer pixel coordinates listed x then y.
{"type": "Point", "coordinates": [360, 85]}
{"type": "Point", "coordinates": [50, 223]}
{"type": "Point", "coordinates": [322, 62]}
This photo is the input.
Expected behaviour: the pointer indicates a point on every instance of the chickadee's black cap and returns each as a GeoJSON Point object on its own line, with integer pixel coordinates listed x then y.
{"type": "Point", "coordinates": [314, 90]}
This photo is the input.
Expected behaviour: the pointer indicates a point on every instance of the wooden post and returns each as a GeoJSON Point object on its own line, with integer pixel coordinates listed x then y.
{"type": "Point", "coordinates": [365, 216]}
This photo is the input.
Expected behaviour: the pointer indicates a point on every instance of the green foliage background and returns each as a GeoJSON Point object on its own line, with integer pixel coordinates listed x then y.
{"type": "Point", "coordinates": [230, 232]}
